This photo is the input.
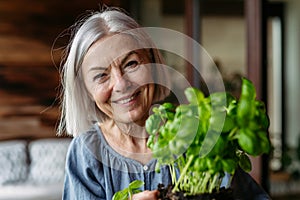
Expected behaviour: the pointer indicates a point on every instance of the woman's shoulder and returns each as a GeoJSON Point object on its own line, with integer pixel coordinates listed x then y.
{"type": "Point", "coordinates": [93, 146]}
{"type": "Point", "coordinates": [87, 143]}
{"type": "Point", "coordinates": [82, 138]}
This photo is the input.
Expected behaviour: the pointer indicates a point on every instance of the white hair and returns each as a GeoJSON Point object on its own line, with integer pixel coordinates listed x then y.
{"type": "Point", "coordinates": [78, 110]}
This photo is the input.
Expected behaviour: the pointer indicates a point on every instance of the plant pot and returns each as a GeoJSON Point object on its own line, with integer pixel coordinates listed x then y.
{"type": "Point", "coordinates": [167, 194]}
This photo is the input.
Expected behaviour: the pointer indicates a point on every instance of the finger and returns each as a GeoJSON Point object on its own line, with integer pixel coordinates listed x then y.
{"type": "Point", "coordinates": [146, 195]}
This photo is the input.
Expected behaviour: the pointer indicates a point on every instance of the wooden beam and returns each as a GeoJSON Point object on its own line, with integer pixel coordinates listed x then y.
{"type": "Point", "coordinates": [193, 30]}
{"type": "Point", "coordinates": [256, 25]}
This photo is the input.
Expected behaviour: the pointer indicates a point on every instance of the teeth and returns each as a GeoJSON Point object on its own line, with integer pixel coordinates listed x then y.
{"type": "Point", "coordinates": [123, 101]}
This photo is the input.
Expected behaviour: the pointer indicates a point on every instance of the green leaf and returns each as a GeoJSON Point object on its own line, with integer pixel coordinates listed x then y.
{"type": "Point", "coordinates": [187, 130]}
{"type": "Point", "coordinates": [232, 108]}
{"type": "Point", "coordinates": [254, 125]}
{"type": "Point", "coordinates": [186, 110]}
{"type": "Point", "coordinates": [245, 111]}
{"type": "Point", "coordinates": [260, 106]}
{"type": "Point", "coordinates": [219, 147]}
{"type": "Point", "coordinates": [193, 95]}
{"type": "Point", "coordinates": [248, 90]}
{"type": "Point", "coordinates": [135, 191]}
{"type": "Point", "coordinates": [153, 124]}
{"type": "Point", "coordinates": [246, 105]}
{"type": "Point", "coordinates": [121, 195]}
{"type": "Point", "coordinates": [229, 165]}
{"type": "Point", "coordinates": [248, 141]}
{"type": "Point", "coordinates": [220, 99]}
{"type": "Point", "coordinates": [210, 165]}
{"type": "Point", "coordinates": [150, 141]}
{"type": "Point", "coordinates": [173, 147]}
{"type": "Point", "coordinates": [200, 165]}
{"type": "Point", "coordinates": [245, 163]}
{"type": "Point", "coordinates": [217, 120]}
{"type": "Point", "coordinates": [161, 152]}
{"type": "Point", "coordinates": [173, 126]}
{"type": "Point", "coordinates": [177, 147]}
{"type": "Point", "coordinates": [166, 111]}
{"type": "Point", "coordinates": [209, 142]}
{"type": "Point", "coordinates": [168, 107]}
{"type": "Point", "coordinates": [127, 193]}
{"type": "Point", "coordinates": [263, 120]}
{"type": "Point", "coordinates": [264, 142]}
{"type": "Point", "coordinates": [136, 184]}
{"type": "Point", "coordinates": [229, 124]}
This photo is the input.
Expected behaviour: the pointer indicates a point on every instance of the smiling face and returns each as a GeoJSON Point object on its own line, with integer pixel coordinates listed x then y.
{"type": "Point", "coordinates": [117, 75]}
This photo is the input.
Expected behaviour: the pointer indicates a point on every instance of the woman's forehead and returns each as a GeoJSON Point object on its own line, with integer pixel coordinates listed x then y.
{"type": "Point", "coordinates": [110, 48]}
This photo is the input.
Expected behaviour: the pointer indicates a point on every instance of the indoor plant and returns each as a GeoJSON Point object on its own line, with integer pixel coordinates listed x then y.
{"type": "Point", "coordinates": [202, 140]}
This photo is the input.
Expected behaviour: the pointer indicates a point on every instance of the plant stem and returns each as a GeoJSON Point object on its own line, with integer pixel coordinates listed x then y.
{"type": "Point", "coordinates": [183, 173]}
{"type": "Point", "coordinates": [197, 186]}
{"type": "Point", "coordinates": [214, 183]}
{"type": "Point", "coordinates": [205, 181]}
{"type": "Point", "coordinates": [173, 173]}
{"type": "Point", "coordinates": [130, 193]}
{"type": "Point", "coordinates": [232, 132]}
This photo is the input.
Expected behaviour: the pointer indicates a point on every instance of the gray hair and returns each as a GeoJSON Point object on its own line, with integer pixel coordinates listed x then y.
{"type": "Point", "coordinates": [78, 110]}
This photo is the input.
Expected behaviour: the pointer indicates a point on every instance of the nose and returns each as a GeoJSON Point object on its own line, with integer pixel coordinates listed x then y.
{"type": "Point", "coordinates": [122, 83]}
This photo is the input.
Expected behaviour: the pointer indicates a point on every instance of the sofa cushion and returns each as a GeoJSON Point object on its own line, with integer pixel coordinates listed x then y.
{"type": "Point", "coordinates": [27, 191]}
{"type": "Point", "coordinates": [47, 157]}
{"type": "Point", "coordinates": [13, 161]}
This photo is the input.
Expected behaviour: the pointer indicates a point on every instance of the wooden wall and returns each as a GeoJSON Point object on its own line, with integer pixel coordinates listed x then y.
{"type": "Point", "coordinates": [29, 78]}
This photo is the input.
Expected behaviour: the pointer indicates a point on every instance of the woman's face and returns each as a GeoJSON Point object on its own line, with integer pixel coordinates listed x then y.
{"type": "Point", "coordinates": [117, 75]}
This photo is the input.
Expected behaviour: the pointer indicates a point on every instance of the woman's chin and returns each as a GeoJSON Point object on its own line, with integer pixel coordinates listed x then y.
{"type": "Point", "coordinates": [131, 117]}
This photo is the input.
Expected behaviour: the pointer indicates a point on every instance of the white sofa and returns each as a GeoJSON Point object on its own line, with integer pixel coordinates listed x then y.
{"type": "Point", "coordinates": [32, 170]}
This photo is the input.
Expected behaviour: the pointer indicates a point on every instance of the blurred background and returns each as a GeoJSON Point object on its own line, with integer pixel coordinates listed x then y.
{"type": "Point", "coordinates": [258, 39]}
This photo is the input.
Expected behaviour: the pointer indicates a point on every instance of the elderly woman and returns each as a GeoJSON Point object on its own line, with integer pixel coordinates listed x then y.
{"type": "Point", "coordinates": [110, 78]}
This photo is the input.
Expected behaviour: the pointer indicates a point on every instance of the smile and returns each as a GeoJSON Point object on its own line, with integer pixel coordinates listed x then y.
{"type": "Point", "coordinates": [127, 100]}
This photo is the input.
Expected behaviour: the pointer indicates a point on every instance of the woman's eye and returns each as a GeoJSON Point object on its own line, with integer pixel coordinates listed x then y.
{"type": "Point", "coordinates": [101, 77]}
{"type": "Point", "coordinates": [131, 64]}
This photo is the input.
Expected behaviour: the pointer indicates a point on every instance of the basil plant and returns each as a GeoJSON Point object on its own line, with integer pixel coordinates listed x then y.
{"type": "Point", "coordinates": [209, 136]}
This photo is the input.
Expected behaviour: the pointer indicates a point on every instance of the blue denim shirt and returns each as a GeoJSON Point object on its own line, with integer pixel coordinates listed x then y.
{"type": "Point", "coordinates": [95, 171]}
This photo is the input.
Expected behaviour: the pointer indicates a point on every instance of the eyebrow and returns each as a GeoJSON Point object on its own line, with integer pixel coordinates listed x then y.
{"type": "Point", "coordinates": [122, 61]}
{"type": "Point", "coordinates": [127, 56]}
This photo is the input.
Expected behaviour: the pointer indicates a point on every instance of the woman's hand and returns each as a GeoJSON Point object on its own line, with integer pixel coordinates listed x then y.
{"type": "Point", "coordinates": [146, 195]}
